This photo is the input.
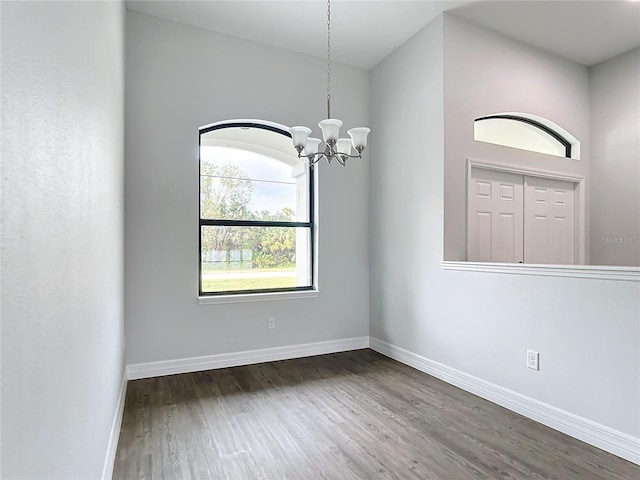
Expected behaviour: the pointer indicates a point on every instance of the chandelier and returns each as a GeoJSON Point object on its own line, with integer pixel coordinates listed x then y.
{"type": "Point", "coordinates": [334, 147]}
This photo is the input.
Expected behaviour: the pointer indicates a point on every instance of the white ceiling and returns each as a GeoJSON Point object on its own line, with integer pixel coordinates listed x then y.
{"type": "Point", "coordinates": [587, 32]}
{"type": "Point", "coordinates": [364, 32]}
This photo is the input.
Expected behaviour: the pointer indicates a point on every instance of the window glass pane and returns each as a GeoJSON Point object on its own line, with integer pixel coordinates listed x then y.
{"type": "Point", "coordinates": [255, 258]}
{"type": "Point", "coordinates": [516, 134]}
{"type": "Point", "coordinates": [243, 180]}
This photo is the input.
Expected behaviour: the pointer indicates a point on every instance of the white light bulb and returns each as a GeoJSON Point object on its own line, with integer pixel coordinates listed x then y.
{"type": "Point", "coordinates": [330, 129]}
{"type": "Point", "coordinates": [344, 146]}
{"type": "Point", "coordinates": [299, 136]}
{"type": "Point", "coordinates": [359, 137]}
{"type": "Point", "coordinates": [313, 146]}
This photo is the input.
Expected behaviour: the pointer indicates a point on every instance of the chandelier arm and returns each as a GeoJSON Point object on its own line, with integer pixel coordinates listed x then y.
{"type": "Point", "coordinates": [322, 155]}
{"type": "Point", "coordinates": [319, 156]}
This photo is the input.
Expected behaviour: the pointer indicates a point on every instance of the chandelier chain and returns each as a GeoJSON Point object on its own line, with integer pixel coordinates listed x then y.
{"type": "Point", "coordinates": [328, 58]}
{"type": "Point", "coordinates": [335, 148]}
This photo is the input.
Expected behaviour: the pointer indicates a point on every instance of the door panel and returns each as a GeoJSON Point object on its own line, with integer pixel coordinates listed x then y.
{"type": "Point", "coordinates": [548, 221]}
{"type": "Point", "coordinates": [495, 216]}
{"type": "Point", "coordinates": [483, 234]}
{"type": "Point", "coordinates": [507, 232]}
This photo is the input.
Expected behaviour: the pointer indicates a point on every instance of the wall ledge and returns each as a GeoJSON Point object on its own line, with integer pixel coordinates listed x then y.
{"type": "Point", "coordinates": [598, 272]}
{"type": "Point", "coordinates": [236, 359]}
{"type": "Point", "coordinates": [613, 441]}
{"type": "Point", "coordinates": [257, 297]}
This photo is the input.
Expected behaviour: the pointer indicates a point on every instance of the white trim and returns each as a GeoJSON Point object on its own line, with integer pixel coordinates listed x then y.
{"type": "Point", "coordinates": [235, 359]}
{"type": "Point", "coordinates": [601, 436]}
{"type": "Point", "coordinates": [246, 120]}
{"type": "Point", "coordinates": [300, 168]}
{"type": "Point", "coordinates": [504, 167]}
{"type": "Point", "coordinates": [110, 458]}
{"type": "Point", "coordinates": [257, 297]}
{"type": "Point", "coordinates": [598, 272]}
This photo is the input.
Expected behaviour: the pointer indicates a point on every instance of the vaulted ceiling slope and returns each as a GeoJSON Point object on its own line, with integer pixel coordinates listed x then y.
{"type": "Point", "coordinates": [365, 32]}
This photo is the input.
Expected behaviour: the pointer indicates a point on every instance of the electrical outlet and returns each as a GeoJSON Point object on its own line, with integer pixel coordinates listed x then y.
{"type": "Point", "coordinates": [533, 360]}
{"type": "Point", "coordinates": [271, 323]}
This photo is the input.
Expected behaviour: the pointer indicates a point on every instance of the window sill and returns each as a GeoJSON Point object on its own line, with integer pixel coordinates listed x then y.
{"type": "Point", "coordinates": [599, 272]}
{"type": "Point", "coordinates": [257, 297]}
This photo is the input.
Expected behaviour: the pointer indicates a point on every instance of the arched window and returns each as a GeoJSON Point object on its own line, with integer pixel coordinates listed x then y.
{"type": "Point", "coordinates": [256, 210]}
{"type": "Point", "coordinates": [526, 132]}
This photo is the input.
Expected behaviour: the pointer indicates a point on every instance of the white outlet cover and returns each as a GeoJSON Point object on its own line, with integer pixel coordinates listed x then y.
{"type": "Point", "coordinates": [533, 360]}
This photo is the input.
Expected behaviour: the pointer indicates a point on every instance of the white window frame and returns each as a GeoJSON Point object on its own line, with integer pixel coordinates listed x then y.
{"type": "Point", "coordinates": [311, 291]}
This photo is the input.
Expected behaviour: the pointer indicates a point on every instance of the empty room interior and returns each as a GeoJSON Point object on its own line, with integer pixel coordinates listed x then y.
{"type": "Point", "coordinates": [320, 240]}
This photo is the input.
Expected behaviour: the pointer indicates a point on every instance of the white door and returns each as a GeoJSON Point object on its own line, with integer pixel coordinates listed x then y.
{"type": "Point", "coordinates": [549, 221]}
{"type": "Point", "coordinates": [495, 216]}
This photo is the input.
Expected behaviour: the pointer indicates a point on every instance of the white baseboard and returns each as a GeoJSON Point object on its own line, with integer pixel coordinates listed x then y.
{"type": "Point", "coordinates": [209, 362]}
{"type": "Point", "coordinates": [109, 461]}
{"type": "Point", "coordinates": [608, 439]}
{"type": "Point", "coordinates": [605, 438]}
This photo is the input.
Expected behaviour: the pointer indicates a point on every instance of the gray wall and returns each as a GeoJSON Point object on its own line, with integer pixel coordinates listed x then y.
{"type": "Point", "coordinates": [487, 73]}
{"type": "Point", "coordinates": [615, 165]}
{"type": "Point", "coordinates": [406, 186]}
{"type": "Point", "coordinates": [179, 78]}
{"type": "Point", "coordinates": [587, 331]}
{"type": "Point", "coordinates": [62, 158]}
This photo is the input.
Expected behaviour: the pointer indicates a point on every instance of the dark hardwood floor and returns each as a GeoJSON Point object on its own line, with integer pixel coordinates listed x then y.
{"type": "Point", "coordinates": [353, 415]}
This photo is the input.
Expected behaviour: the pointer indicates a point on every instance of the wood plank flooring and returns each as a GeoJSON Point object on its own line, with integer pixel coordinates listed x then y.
{"type": "Point", "coordinates": [352, 415]}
